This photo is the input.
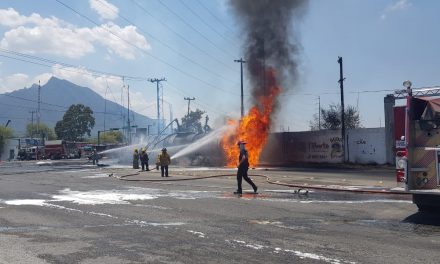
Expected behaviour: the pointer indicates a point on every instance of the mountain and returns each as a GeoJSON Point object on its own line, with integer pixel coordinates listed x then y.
{"type": "Point", "coordinates": [56, 97]}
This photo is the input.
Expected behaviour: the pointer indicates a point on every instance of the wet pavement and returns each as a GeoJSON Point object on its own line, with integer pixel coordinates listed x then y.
{"type": "Point", "coordinates": [77, 213]}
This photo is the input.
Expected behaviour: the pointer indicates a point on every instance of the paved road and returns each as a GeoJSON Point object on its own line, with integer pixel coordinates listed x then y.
{"type": "Point", "coordinates": [78, 214]}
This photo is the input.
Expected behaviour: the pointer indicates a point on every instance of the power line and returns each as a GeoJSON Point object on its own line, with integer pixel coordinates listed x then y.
{"type": "Point", "coordinates": [28, 61]}
{"type": "Point", "coordinates": [204, 22]}
{"type": "Point", "coordinates": [337, 93]}
{"type": "Point", "coordinates": [206, 106]}
{"type": "Point", "coordinates": [193, 28]}
{"type": "Point", "coordinates": [45, 109]}
{"type": "Point", "coordinates": [143, 51]}
{"type": "Point", "coordinates": [356, 92]}
{"type": "Point", "coordinates": [214, 16]}
{"type": "Point", "coordinates": [64, 68]}
{"type": "Point", "coordinates": [182, 37]}
{"type": "Point", "coordinates": [53, 62]}
{"type": "Point", "coordinates": [30, 100]}
{"type": "Point", "coordinates": [170, 47]}
{"type": "Point", "coordinates": [12, 117]}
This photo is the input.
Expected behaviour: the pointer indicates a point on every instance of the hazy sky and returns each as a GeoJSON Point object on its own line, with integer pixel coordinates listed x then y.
{"type": "Point", "coordinates": [193, 43]}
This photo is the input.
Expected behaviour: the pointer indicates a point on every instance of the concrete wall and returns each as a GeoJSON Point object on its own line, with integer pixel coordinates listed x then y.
{"type": "Point", "coordinates": [10, 144]}
{"type": "Point", "coordinates": [364, 146]}
{"type": "Point", "coordinates": [297, 147]}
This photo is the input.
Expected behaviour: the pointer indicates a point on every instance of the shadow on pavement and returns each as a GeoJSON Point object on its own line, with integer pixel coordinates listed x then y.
{"type": "Point", "coordinates": [424, 218]}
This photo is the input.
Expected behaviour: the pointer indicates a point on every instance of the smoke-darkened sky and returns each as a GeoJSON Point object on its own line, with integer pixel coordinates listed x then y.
{"type": "Point", "coordinates": [269, 39]}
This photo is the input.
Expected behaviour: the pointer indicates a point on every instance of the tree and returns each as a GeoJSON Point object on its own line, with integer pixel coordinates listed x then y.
{"type": "Point", "coordinates": [331, 118]}
{"type": "Point", "coordinates": [31, 130]}
{"type": "Point", "coordinates": [191, 122]}
{"type": "Point", "coordinates": [5, 132]}
{"type": "Point", "coordinates": [111, 137]}
{"type": "Point", "coordinates": [77, 121]}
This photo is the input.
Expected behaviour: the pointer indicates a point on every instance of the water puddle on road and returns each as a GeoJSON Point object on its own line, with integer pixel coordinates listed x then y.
{"type": "Point", "coordinates": [277, 250]}
{"type": "Point", "coordinates": [36, 202]}
{"type": "Point", "coordinates": [130, 195]}
{"type": "Point", "coordinates": [124, 196]}
{"type": "Point", "coordinates": [96, 176]}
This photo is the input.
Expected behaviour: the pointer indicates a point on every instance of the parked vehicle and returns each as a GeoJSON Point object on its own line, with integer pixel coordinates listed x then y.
{"type": "Point", "coordinates": [417, 133]}
{"type": "Point", "coordinates": [60, 149]}
{"type": "Point", "coordinates": [30, 153]}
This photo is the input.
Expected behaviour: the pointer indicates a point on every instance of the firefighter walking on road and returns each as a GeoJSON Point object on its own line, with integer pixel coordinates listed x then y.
{"type": "Point", "coordinates": [144, 160]}
{"type": "Point", "coordinates": [163, 160]}
{"type": "Point", "coordinates": [243, 167]}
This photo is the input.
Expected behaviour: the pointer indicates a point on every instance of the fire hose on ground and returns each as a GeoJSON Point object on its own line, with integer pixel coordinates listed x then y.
{"type": "Point", "coordinates": [125, 177]}
{"type": "Point", "coordinates": [302, 188]}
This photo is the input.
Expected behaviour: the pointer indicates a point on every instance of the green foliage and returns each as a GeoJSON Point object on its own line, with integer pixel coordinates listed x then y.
{"type": "Point", "coordinates": [5, 132]}
{"type": "Point", "coordinates": [331, 118]}
{"type": "Point", "coordinates": [111, 137]}
{"type": "Point", "coordinates": [191, 122]}
{"type": "Point", "coordinates": [31, 130]}
{"type": "Point", "coordinates": [77, 121]}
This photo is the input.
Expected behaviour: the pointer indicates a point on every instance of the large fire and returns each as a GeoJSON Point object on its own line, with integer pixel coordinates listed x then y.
{"type": "Point", "coordinates": [254, 127]}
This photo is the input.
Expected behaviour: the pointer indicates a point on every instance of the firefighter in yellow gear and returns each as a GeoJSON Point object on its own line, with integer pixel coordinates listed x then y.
{"type": "Point", "coordinates": [163, 160]}
{"type": "Point", "coordinates": [144, 159]}
{"type": "Point", "coordinates": [136, 159]}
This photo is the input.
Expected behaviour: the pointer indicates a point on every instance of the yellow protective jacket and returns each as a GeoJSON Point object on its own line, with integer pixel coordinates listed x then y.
{"type": "Point", "coordinates": [163, 159]}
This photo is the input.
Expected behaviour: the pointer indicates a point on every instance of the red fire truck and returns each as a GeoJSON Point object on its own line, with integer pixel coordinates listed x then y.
{"type": "Point", "coordinates": [417, 134]}
{"type": "Point", "coordinates": [60, 149]}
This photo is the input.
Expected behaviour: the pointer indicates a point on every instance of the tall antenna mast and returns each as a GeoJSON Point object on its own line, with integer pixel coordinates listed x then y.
{"type": "Point", "coordinates": [128, 116]}
{"type": "Point", "coordinates": [157, 81]}
{"type": "Point", "coordinates": [38, 111]}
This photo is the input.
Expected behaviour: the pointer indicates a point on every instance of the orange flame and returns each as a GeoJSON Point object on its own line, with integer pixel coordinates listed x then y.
{"type": "Point", "coordinates": [254, 127]}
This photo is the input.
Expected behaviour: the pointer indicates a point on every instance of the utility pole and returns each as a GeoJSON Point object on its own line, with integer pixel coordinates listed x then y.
{"type": "Point", "coordinates": [341, 84]}
{"type": "Point", "coordinates": [32, 122]}
{"type": "Point", "coordinates": [319, 112]}
{"type": "Point", "coordinates": [38, 111]}
{"type": "Point", "coordinates": [171, 117]}
{"type": "Point", "coordinates": [241, 61]}
{"type": "Point", "coordinates": [189, 101]}
{"type": "Point", "coordinates": [122, 104]}
{"type": "Point", "coordinates": [105, 102]}
{"type": "Point", "coordinates": [157, 81]}
{"type": "Point", "coordinates": [128, 116]}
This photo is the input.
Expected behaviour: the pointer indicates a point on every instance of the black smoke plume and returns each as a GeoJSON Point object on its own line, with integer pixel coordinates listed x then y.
{"type": "Point", "coordinates": [269, 40]}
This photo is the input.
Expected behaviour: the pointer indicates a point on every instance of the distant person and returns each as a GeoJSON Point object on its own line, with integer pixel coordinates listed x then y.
{"type": "Point", "coordinates": [95, 157]}
{"type": "Point", "coordinates": [163, 159]}
{"type": "Point", "coordinates": [79, 153]}
{"type": "Point", "coordinates": [157, 162]}
{"type": "Point", "coordinates": [144, 160]}
{"type": "Point", "coordinates": [136, 159]}
{"type": "Point", "coordinates": [243, 167]}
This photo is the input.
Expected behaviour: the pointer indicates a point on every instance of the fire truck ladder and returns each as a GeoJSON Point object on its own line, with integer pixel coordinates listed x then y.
{"type": "Point", "coordinates": [418, 92]}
